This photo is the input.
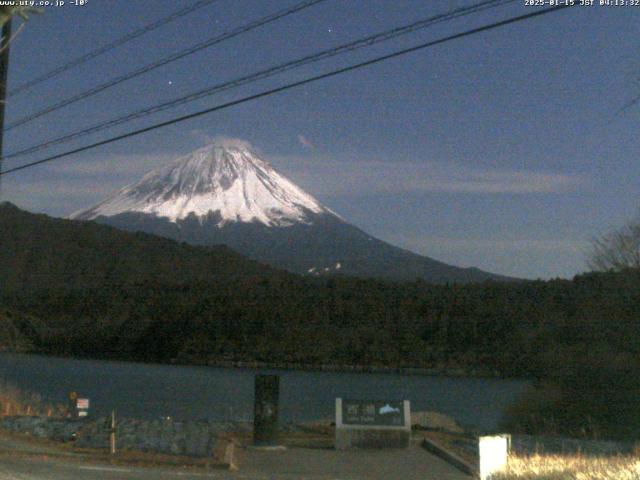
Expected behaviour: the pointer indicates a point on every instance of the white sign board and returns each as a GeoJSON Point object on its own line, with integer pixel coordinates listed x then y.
{"type": "Point", "coordinates": [82, 404]}
{"type": "Point", "coordinates": [493, 455]}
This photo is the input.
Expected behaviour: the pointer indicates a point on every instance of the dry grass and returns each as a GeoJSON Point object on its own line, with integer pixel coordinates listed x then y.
{"type": "Point", "coordinates": [576, 467]}
{"type": "Point", "coordinates": [14, 402]}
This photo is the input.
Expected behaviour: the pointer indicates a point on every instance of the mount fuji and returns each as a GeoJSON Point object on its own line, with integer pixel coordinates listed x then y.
{"type": "Point", "coordinates": [226, 194]}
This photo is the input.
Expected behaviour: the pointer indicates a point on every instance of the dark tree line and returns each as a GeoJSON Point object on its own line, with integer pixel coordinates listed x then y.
{"type": "Point", "coordinates": [88, 290]}
{"type": "Point", "coordinates": [514, 328]}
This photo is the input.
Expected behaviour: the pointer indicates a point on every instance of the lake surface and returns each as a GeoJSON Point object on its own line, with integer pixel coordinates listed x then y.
{"type": "Point", "coordinates": [149, 391]}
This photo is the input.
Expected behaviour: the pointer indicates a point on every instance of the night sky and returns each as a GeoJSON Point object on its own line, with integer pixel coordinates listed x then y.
{"type": "Point", "coordinates": [508, 150]}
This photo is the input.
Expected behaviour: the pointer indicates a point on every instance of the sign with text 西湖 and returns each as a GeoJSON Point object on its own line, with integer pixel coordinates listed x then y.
{"type": "Point", "coordinates": [372, 423]}
{"type": "Point", "coordinates": [371, 412]}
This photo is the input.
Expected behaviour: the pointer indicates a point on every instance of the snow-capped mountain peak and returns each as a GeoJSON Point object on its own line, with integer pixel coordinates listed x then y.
{"type": "Point", "coordinates": [226, 178]}
{"type": "Point", "coordinates": [225, 194]}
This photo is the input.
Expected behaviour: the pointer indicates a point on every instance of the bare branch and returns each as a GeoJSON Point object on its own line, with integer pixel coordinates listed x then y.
{"type": "Point", "coordinates": [618, 249]}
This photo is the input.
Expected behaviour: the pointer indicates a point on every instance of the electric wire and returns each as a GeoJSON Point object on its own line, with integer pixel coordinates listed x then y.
{"type": "Point", "coordinates": [271, 71]}
{"type": "Point", "coordinates": [164, 61]}
{"type": "Point", "coordinates": [289, 86]}
{"type": "Point", "coordinates": [110, 46]}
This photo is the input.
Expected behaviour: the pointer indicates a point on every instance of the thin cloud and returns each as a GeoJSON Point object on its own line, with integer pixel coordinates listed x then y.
{"type": "Point", "coordinates": [228, 142]}
{"type": "Point", "coordinates": [69, 186]}
{"type": "Point", "coordinates": [305, 142]}
{"type": "Point", "coordinates": [53, 188]}
{"type": "Point", "coordinates": [334, 178]}
{"type": "Point", "coordinates": [465, 244]}
{"type": "Point", "coordinates": [201, 137]}
{"type": "Point", "coordinates": [82, 183]}
{"type": "Point", "coordinates": [110, 165]}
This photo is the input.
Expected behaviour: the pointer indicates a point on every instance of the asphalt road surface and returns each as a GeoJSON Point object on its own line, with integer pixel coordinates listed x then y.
{"type": "Point", "coordinates": [23, 469]}
{"type": "Point", "coordinates": [21, 461]}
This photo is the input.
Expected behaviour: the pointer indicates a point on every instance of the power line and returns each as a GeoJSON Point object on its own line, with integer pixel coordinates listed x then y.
{"type": "Point", "coordinates": [289, 86]}
{"type": "Point", "coordinates": [110, 46]}
{"type": "Point", "coordinates": [324, 54]}
{"type": "Point", "coordinates": [5, 43]}
{"type": "Point", "coordinates": [164, 61]}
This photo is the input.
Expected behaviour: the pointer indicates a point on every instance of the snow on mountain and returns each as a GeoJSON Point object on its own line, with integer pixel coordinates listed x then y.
{"type": "Point", "coordinates": [227, 177]}
{"type": "Point", "coordinates": [226, 194]}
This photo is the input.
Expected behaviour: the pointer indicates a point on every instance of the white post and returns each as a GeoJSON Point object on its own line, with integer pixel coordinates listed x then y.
{"type": "Point", "coordinates": [494, 452]}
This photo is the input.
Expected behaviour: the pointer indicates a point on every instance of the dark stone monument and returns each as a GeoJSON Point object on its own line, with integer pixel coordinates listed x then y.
{"type": "Point", "coordinates": [265, 418]}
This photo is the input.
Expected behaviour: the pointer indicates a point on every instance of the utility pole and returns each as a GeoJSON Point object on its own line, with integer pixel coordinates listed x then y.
{"type": "Point", "coordinates": [4, 75]}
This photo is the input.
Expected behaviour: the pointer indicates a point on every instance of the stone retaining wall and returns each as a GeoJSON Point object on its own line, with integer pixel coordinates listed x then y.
{"type": "Point", "coordinates": [197, 439]}
{"type": "Point", "coordinates": [42, 427]}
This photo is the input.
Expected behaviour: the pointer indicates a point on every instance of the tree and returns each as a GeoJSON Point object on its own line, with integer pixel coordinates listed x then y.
{"type": "Point", "coordinates": [7, 12]}
{"type": "Point", "coordinates": [618, 249]}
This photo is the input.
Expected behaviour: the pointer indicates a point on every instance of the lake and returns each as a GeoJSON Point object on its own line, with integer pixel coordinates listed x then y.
{"type": "Point", "coordinates": [149, 391]}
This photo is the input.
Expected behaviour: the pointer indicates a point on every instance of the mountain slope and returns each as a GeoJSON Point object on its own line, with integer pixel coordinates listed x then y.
{"type": "Point", "coordinates": [17, 331]}
{"type": "Point", "coordinates": [324, 245]}
{"type": "Point", "coordinates": [38, 251]}
{"type": "Point", "coordinates": [225, 194]}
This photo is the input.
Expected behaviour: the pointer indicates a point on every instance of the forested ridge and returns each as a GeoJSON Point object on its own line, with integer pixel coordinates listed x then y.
{"type": "Point", "coordinates": [173, 302]}
{"type": "Point", "coordinates": [103, 292]}
{"type": "Point", "coordinates": [512, 328]}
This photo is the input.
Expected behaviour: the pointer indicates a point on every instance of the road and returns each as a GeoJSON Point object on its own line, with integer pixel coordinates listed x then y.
{"type": "Point", "coordinates": [28, 469]}
{"type": "Point", "coordinates": [21, 461]}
